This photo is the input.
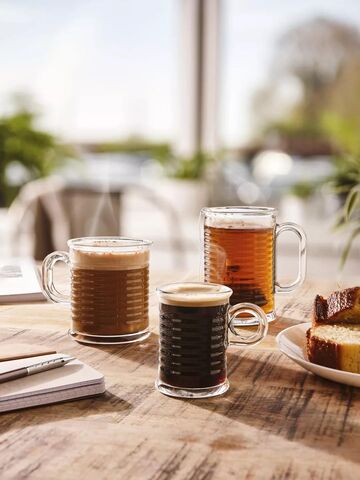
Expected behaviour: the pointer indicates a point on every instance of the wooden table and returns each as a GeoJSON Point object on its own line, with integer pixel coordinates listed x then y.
{"type": "Point", "coordinates": [276, 422]}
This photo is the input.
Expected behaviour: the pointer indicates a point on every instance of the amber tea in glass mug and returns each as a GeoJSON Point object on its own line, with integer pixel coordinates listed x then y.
{"type": "Point", "coordinates": [239, 249]}
{"type": "Point", "coordinates": [109, 288]}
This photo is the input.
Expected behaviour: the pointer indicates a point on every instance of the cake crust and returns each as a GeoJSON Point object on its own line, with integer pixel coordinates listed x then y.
{"type": "Point", "coordinates": [341, 306]}
{"type": "Point", "coordinates": [335, 346]}
{"type": "Point", "coordinates": [322, 352]}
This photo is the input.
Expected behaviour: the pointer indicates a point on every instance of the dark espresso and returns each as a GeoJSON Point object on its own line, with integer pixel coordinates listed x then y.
{"type": "Point", "coordinates": [109, 293]}
{"type": "Point", "coordinates": [192, 345]}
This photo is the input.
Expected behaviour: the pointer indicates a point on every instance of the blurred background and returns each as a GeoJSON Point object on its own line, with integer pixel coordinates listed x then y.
{"type": "Point", "coordinates": [128, 116]}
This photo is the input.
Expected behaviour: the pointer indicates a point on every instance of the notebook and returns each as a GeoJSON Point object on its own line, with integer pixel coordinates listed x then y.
{"type": "Point", "coordinates": [19, 281]}
{"type": "Point", "coordinates": [74, 380]}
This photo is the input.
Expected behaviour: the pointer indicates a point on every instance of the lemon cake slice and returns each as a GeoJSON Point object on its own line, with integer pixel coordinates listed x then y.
{"type": "Point", "coordinates": [335, 346]}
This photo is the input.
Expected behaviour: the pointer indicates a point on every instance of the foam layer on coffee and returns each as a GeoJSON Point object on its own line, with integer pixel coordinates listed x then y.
{"type": "Point", "coordinates": [189, 294]}
{"type": "Point", "coordinates": [108, 259]}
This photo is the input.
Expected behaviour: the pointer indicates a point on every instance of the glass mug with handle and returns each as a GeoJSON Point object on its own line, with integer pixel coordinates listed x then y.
{"type": "Point", "coordinates": [109, 288]}
{"type": "Point", "coordinates": [239, 249]}
{"type": "Point", "coordinates": [194, 321]}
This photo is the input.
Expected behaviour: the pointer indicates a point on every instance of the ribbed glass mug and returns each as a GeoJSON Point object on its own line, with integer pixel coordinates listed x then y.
{"type": "Point", "coordinates": [194, 321]}
{"type": "Point", "coordinates": [239, 249]}
{"type": "Point", "coordinates": [109, 288]}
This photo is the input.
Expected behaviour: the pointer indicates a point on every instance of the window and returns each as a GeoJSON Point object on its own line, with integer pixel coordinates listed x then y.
{"type": "Point", "coordinates": [97, 70]}
{"type": "Point", "coordinates": [255, 51]}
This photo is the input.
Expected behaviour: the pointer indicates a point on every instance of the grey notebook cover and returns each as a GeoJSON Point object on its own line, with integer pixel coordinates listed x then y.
{"type": "Point", "coordinates": [74, 380]}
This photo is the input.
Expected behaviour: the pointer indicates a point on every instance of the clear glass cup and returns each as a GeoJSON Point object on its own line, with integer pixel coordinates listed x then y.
{"type": "Point", "coordinates": [239, 249]}
{"type": "Point", "coordinates": [109, 288]}
{"type": "Point", "coordinates": [194, 321]}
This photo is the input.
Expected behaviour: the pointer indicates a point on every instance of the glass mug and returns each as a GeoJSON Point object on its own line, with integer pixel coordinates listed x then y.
{"type": "Point", "coordinates": [239, 246]}
{"type": "Point", "coordinates": [194, 321]}
{"type": "Point", "coordinates": [109, 288]}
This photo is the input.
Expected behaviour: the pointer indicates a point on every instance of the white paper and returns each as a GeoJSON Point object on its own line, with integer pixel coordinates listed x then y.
{"type": "Point", "coordinates": [19, 280]}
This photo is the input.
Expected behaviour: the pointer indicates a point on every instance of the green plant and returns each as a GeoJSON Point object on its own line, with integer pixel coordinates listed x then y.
{"type": "Point", "coordinates": [303, 190]}
{"type": "Point", "coordinates": [134, 144]}
{"type": "Point", "coordinates": [348, 185]}
{"type": "Point", "coordinates": [345, 181]}
{"type": "Point", "coordinates": [22, 143]}
{"type": "Point", "coordinates": [181, 167]}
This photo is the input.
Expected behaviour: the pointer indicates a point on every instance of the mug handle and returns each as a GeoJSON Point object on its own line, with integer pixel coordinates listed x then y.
{"type": "Point", "coordinates": [254, 311]}
{"type": "Point", "coordinates": [47, 277]}
{"type": "Point", "coordinates": [299, 232]}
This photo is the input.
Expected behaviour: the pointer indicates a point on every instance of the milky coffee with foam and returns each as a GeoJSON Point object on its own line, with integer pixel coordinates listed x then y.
{"type": "Point", "coordinates": [109, 293]}
{"type": "Point", "coordinates": [109, 288]}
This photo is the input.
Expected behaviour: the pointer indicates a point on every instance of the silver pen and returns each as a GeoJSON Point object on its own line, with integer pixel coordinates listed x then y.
{"type": "Point", "coordinates": [35, 368]}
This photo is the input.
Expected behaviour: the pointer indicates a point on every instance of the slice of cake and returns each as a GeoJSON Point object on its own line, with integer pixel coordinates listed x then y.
{"type": "Point", "coordinates": [335, 346]}
{"type": "Point", "coordinates": [341, 306]}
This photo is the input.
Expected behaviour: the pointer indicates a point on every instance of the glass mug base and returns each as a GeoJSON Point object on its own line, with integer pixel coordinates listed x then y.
{"type": "Point", "coordinates": [182, 392]}
{"type": "Point", "coordinates": [251, 322]}
{"type": "Point", "coordinates": [109, 339]}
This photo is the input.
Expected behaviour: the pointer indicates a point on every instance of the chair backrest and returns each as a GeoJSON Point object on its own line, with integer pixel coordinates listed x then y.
{"type": "Point", "coordinates": [48, 212]}
{"type": "Point", "coordinates": [90, 212]}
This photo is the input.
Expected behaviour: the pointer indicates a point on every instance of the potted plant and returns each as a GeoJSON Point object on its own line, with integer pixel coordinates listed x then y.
{"type": "Point", "coordinates": [298, 203]}
{"type": "Point", "coordinates": [183, 183]}
{"type": "Point", "coordinates": [25, 149]}
{"type": "Point", "coordinates": [345, 181]}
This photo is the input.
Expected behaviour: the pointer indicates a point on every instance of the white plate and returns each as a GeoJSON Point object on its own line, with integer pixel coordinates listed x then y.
{"type": "Point", "coordinates": [292, 342]}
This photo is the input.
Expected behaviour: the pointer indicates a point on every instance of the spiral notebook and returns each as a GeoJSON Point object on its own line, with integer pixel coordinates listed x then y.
{"type": "Point", "coordinates": [74, 380]}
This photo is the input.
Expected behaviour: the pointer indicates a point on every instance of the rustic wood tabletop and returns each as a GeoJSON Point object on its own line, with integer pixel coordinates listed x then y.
{"type": "Point", "coordinates": [277, 421]}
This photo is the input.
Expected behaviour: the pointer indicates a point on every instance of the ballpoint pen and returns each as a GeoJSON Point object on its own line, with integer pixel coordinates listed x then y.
{"type": "Point", "coordinates": [35, 368]}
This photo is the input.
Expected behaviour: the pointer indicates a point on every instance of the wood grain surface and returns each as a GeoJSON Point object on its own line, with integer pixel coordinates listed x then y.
{"type": "Point", "coordinates": [277, 421]}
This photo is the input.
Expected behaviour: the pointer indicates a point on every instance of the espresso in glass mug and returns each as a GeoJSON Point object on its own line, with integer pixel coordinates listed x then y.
{"type": "Point", "coordinates": [194, 321]}
{"type": "Point", "coordinates": [109, 288]}
{"type": "Point", "coordinates": [239, 249]}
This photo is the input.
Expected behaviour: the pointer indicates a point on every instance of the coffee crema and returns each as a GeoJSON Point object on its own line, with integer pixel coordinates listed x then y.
{"type": "Point", "coordinates": [109, 291]}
